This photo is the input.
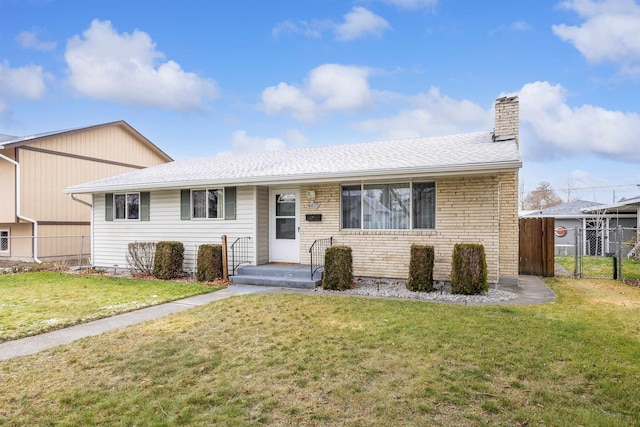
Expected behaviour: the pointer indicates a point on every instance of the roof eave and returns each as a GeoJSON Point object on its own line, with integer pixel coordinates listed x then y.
{"type": "Point", "coordinates": [380, 174]}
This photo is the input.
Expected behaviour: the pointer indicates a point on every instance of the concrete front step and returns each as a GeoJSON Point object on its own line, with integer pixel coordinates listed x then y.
{"type": "Point", "coordinates": [288, 276]}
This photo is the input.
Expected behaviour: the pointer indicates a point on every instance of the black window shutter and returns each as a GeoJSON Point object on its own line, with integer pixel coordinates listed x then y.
{"type": "Point", "coordinates": [145, 205]}
{"type": "Point", "coordinates": [108, 207]}
{"type": "Point", "coordinates": [230, 203]}
{"type": "Point", "coordinates": [185, 204]}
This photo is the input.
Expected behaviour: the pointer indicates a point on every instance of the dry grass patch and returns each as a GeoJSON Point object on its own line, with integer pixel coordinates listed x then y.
{"type": "Point", "coordinates": [33, 303]}
{"type": "Point", "coordinates": [325, 360]}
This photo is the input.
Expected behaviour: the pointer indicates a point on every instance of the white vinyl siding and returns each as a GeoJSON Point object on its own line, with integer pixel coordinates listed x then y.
{"type": "Point", "coordinates": [262, 224]}
{"type": "Point", "coordinates": [112, 237]}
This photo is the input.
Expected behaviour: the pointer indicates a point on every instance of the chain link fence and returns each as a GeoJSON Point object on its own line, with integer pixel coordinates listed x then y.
{"type": "Point", "coordinates": [601, 253]}
{"type": "Point", "coordinates": [72, 250]}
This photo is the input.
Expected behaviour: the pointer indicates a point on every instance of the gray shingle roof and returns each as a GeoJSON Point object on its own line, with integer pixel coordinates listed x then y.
{"type": "Point", "coordinates": [4, 138]}
{"type": "Point", "coordinates": [436, 155]}
{"type": "Point", "coordinates": [629, 205]}
{"type": "Point", "coordinates": [574, 208]}
{"type": "Point", "coordinates": [8, 139]}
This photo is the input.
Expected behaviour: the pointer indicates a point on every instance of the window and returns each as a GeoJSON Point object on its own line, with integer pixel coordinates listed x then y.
{"type": "Point", "coordinates": [132, 206]}
{"type": "Point", "coordinates": [351, 206]}
{"type": "Point", "coordinates": [127, 206]}
{"type": "Point", "coordinates": [4, 241]}
{"type": "Point", "coordinates": [398, 206]}
{"type": "Point", "coordinates": [206, 204]}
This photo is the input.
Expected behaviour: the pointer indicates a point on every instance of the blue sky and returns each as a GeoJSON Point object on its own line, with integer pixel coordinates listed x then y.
{"type": "Point", "coordinates": [200, 78]}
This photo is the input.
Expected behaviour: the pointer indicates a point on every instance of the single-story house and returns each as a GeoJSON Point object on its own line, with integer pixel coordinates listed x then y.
{"type": "Point", "coordinates": [628, 209]}
{"type": "Point", "coordinates": [39, 222]}
{"type": "Point", "coordinates": [594, 221]}
{"type": "Point", "coordinates": [377, 198]}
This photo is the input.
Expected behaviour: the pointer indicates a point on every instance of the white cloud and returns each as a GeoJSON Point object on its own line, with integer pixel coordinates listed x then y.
{"type": "Point", "coordinates": [30, 40]}
{"type": "Point", "coordinates": [287, 98]}
{"type": "Point", "coordinates": [609, 31]}
{"type": "Point", "coordinates": [551, 128]}
{"type": "Point", "coordinates": [412, 4]}
{"type": "Point", "coordinates": [329, 87]}
{"type": "Point", "coordinates": [435, 114]}
{"type": "Point", "coordinates": [519, 26]}
{"type": "Point", "coordinates": [127, 68]}
{"type": "Point", "coordinates": [243, 143]}
{"type": "Point", "coordinates": [359, 23]}
{"type": "Point", "coordinates": [26, 82]}
{"type": "Point", "coordinates": [312, 29]}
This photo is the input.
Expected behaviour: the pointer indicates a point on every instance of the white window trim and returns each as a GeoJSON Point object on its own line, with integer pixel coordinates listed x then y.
{"type": "Point", "coordinates": [126, 210]}
{"type": "Point", "coordinates": [221, 204]}
{"type": "Point", "coordinates": [411, 227]}
{"type": "Point", "coordinates": [8, 237]}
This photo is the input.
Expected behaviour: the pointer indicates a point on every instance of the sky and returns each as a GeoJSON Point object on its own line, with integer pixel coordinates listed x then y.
{"type": "Point", "coordinates": [202, 78]}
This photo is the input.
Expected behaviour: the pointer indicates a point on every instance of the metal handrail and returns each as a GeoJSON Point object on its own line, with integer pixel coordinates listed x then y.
{"type": "Point", "coordinates": [318, 247]}
{"type": "Point", "coordinates": [239, 253]}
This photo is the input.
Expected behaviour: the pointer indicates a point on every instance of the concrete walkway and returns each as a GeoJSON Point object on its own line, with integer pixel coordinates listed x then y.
{"type": "Point", "coordinates": [531, 290]}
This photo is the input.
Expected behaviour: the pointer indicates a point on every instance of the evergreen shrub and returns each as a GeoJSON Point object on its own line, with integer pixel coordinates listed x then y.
{"type": "Point", "coordinates": [421, 269]}
{"type": "Point", "coordinates": [168, 260]}
{"type": "Point", "coordinates": [469, 270]}
{"type": "Point", "coordinates": [209, 263]}
{"type": "Point", "coordinates": [338, 268]}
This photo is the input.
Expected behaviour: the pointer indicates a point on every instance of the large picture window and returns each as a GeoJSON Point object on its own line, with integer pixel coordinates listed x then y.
{"type": "Point", "coordinates": [4, 240]}
{"type": "Point", "coordinates": [206, 204]}
{"type": "Point", "coordinates": [397, 206]}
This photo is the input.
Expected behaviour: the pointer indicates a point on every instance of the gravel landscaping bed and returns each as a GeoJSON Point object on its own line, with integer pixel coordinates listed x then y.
{"type": "Point", "coordinates": [392, 288]}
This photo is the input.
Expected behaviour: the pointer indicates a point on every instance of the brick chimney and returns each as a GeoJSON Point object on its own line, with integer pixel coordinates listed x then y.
{"type": "Point", "coordinates": [507, 119]}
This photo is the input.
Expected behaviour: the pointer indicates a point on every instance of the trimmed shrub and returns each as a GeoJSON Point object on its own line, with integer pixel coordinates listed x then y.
{"type": "Point", "coordinates": [338, 268]}
{"type": "Point", "coordinates": [209, 263]}
{"type": "Point", "coordinates": [140, 257]}
{"type": "Point", "coordinates": [421, 269]}
{"type": "Point", "coordinates": [469, 270]}
{"type": "Point", "coordinates": [168, 261]}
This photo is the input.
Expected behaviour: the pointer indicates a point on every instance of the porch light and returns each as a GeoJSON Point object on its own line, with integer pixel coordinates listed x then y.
{"type": "Point", "coordinates": [311, 195]}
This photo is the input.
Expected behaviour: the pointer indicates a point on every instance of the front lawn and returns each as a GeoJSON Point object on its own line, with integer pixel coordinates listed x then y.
{"type": "Point", "coordinates": [329, 360]}
{"type": "Point", "coordinates": [33, 303]}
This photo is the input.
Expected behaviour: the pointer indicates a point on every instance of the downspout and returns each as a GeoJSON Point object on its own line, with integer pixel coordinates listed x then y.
{"type": "Point", "coordinates": [18, 214]}
{"type": "Point", "coordinates": [75, 199]}
{"type": "Point", "coordinates": [80, 201]}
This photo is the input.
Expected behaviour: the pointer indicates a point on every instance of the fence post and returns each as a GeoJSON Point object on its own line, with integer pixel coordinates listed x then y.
{"type": "Point", "coordinates": [225, 261]}
{"type": "Point", "coordinates": [576, 252]}
{"type": "Point", "coordinates": [619, 237]}
{"type": "Point", "coordinates": [81, 249]}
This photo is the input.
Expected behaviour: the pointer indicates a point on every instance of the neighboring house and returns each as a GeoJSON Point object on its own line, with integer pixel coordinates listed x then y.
{"type": "Point", "coordinates": [377, 198]}
{"type": "Point", "coordinates": [593, 221]}
{"type": "Point", "coordinates": [35, 169]}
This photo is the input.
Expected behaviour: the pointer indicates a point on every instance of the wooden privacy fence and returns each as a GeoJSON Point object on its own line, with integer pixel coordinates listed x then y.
{"type": "Point", "coordinates": [536, 255]}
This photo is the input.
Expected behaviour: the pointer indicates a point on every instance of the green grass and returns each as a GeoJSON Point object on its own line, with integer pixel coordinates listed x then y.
{"type": "Point", "coordinates": [601, 267]}
{"type": "Point", "coordinates": [329, 360]}
{"type": "Point", "coordinates": [32, 303]}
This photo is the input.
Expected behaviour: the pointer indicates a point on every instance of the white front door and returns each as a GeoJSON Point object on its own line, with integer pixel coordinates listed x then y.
{"type": "Point", "coordinates": [284, 227]}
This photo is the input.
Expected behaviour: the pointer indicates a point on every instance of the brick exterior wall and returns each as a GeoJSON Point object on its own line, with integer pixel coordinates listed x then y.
{"type": "Point", "coordinates": [507, 117]}
{"type": "Point", "coordinates": [469, 209]}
